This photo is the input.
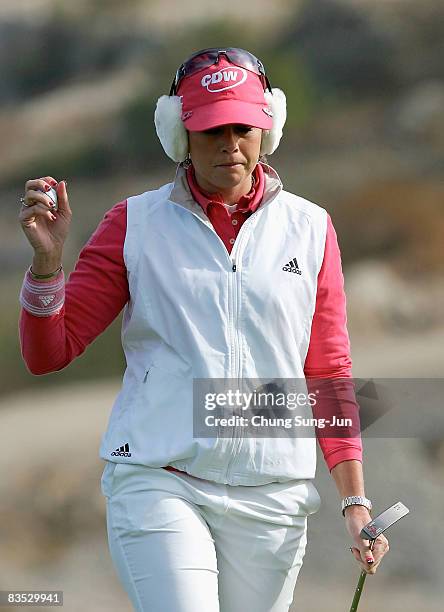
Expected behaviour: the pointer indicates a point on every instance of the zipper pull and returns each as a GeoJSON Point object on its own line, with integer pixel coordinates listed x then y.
{"type": "Point", "coordinates": [233, 266]}
{"type": "Point", "coordinates": [146, 375]}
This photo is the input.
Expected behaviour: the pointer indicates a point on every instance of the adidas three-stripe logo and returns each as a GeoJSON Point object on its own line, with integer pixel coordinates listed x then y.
{"type": "Point", "coordinates": [292, 266]}
{"type": "Point", "coordinates": [122, 451]}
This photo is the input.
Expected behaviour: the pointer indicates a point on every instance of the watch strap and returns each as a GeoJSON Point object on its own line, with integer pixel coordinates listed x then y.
{"type": "Point", "coordinates": [355, 500]}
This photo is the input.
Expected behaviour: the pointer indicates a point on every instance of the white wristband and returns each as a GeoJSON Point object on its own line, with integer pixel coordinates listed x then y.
{"type": "Point", "coordinates": [43, 299]}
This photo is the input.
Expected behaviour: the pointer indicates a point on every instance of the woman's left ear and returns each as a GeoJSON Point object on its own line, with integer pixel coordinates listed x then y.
{"type": "Point", "coordinates": [170, 128]}
{"type": "Point", "coordinates": [277, 103]}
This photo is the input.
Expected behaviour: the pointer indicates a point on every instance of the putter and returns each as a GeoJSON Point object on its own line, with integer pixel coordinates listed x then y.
{"type": "Point", "coordinates": [370, 532]}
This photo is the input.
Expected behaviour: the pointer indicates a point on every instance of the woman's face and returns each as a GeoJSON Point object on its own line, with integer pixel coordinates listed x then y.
{"type": "Point", "coordinates": [224, 157]}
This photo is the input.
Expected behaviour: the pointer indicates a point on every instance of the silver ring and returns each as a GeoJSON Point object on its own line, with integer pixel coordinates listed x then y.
{"type": "Point", "coordinates": [23, 203]}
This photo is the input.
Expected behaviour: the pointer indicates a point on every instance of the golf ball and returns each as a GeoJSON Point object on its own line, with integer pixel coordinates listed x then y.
{"type": "Point", "coordinates": [52, 194]}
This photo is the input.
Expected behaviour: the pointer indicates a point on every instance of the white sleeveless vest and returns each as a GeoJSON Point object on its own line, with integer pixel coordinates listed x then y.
{"type": "Point", "coordinates": [197, 311]}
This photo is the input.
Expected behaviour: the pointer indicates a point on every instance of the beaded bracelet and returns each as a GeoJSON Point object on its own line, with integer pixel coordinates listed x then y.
{"type": "Point", "coordinates": [43, 276]}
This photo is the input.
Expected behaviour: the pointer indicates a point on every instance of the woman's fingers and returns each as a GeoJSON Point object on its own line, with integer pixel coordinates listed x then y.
{"type": "Point", "coordinates": [369, 569]}
{"type": "Point", "coordinates": [34, 196]}
{"type": "Point", "coordinates": [41, 183]}
{"type": "Point", "coordinates": [380, 548]}
{"type": "Point", "coordinates": [35, 187]}
{"type": "Point", "coordinates": [29, 213]}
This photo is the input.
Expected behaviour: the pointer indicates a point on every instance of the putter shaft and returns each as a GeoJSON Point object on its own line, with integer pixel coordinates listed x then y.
{"type": "Point", "coordinates": [358, 592]}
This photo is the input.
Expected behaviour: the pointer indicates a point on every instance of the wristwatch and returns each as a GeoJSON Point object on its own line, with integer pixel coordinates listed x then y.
{"type": "Point", "coordinates": [355, 500]}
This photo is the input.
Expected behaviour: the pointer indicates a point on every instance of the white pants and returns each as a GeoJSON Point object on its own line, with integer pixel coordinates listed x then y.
{"type": "Point", "coordinates": [183, 544]}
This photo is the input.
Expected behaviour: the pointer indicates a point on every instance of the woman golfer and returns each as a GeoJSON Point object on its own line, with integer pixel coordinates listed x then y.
{"type": "Point", "coordinates": [223, 276]}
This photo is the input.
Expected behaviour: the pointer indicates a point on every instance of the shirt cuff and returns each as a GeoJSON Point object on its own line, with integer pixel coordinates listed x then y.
{"type": "Point", "coordinates": [45, 298]}
{"type": "Point", "coordinates": [343, 455]}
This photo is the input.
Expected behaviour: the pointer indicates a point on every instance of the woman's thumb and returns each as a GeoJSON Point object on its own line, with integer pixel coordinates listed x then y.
{"type": "Point", "coordinates": [62, 195]}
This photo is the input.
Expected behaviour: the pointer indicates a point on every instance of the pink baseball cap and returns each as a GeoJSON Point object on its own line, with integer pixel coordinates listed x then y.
{"type": "Point", "coordinates": [223, 93]}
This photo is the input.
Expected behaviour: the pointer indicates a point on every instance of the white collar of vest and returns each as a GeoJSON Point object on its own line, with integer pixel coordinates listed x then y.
{"type": "Point", "coordinates": [180, 193]}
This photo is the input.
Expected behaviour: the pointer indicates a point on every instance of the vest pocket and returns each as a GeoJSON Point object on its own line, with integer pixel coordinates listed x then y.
{"type": "Point", "coordinates": [161, 396]}
{"type": "Point", "coordinates": [147, 373]}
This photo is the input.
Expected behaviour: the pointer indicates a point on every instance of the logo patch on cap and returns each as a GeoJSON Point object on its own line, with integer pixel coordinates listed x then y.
{"type": "Point", "coordinates": [268, 112]}
{"type": "Point", "coordinates": [227, 78]}
{"type": "Point", "coordinates": [186, 115]}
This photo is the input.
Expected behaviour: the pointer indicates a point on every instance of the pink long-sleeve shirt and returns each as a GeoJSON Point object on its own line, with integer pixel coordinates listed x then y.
{"type": "Point", "coordinates": [97, 290]}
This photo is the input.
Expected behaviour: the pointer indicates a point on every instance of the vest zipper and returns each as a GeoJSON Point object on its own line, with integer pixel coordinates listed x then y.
{"type": "Point", "coordinates": [233, 306]}
{"type": "Point", "coordinates": [233, 287]}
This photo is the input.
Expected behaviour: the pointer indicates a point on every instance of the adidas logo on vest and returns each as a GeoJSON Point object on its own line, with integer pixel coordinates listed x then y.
{"type": "Point", "coordinates": [122, 451]}
{"type": "Point", "coordinates": [292, 266]}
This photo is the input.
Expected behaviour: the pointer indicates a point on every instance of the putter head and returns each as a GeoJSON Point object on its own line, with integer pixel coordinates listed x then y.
{"type": "Point", "coordinates": [382, 522]}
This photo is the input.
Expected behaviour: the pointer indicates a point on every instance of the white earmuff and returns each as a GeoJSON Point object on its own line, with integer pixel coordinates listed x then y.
{"type": "Point", "coordinates": [277, 103]}
{"type": "Point", "coordinates": [170, 128]}
{"type": "Point", "coordinates": [173, 135]}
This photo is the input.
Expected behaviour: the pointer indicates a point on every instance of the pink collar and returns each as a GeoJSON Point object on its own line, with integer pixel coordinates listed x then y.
{"type": "Point", "coordinates": [247, 203]}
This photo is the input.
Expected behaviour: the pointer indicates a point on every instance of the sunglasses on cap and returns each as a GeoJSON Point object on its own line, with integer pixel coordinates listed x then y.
{"type": "Point", "coordinates": [209, 57]}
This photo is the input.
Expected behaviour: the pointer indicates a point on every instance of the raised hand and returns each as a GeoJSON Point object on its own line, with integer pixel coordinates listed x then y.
{"type": "Point", "coordinates": [45, 228]}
